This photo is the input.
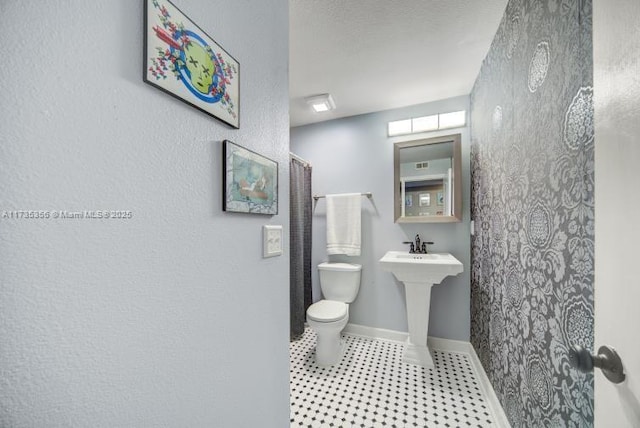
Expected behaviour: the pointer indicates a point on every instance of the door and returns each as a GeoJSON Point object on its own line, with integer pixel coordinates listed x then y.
{"type": "Point", "coordinates": [616, 41]}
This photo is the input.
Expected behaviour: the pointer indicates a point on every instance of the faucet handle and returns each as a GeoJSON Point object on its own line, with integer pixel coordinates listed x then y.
{"type": "Point", "coordinates": [411, 248]}
{"type": "Point", "coordinates": [424, 246]}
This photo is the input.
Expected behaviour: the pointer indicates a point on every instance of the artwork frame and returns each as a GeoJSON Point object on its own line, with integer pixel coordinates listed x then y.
{"type": "Point", "coordinates": [425, 199]}
{"type": "Point", "coordinates": [408, 200]}
{"type": "Point", "coordinates": [182, 60]}
{"type": "Point", "coordinates": [249, 181]}
{"type": "Point", "coordinates": [440, 198]}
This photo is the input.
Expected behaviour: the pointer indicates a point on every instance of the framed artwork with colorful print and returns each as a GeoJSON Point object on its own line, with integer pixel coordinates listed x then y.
{"type": "Point", "coordinates": [185, 62]}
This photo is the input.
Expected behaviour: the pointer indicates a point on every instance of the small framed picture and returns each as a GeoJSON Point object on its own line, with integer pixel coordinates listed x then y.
{"type": "Point", "coordinates": [425, 199]}
{"type": "Point", "coordinates": [408, 201]}
{"type": "Point", "coordinates": [440, 198]}
{"type": "Point", "coordinates": [249, 181]}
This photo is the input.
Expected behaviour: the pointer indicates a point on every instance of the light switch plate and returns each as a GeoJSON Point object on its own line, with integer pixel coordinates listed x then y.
{"type": "Point", "coordinates": [271, 240]}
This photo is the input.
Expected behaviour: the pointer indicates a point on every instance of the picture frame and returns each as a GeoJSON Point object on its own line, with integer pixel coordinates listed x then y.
{"type": "Point", "coordinates": [440, 198]}
{"type": "Point", "coordinates": [183, 61]}
{"type": "Point", "coordinates": [425, 199]}
{"type": "Point", "coordinates": [408, 201]}
{"type": "Point", "coordinates": [249, 181]}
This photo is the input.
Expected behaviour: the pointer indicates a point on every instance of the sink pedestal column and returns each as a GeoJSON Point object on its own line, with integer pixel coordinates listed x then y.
{"type": "Point", "coordinates": [418, 296]}
{"type": "Point", "coordinates": [419, 272]}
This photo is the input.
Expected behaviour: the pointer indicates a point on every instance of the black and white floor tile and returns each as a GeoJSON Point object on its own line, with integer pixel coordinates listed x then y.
{"type": "Point", "coordinates": [372, 387]}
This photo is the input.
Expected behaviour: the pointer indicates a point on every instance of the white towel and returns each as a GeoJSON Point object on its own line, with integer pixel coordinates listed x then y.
{"type": "Point", "coordinates": [343, 224]}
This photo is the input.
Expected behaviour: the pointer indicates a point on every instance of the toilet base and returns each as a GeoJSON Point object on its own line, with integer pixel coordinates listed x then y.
{"type": "Point", "coordinates": [329, 352]}
{"type": "Point", "coordinates": [329, 343]}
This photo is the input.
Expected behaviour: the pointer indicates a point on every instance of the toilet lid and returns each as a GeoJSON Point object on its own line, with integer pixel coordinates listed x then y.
{"type": "Point", "coordinates": [327, 311]}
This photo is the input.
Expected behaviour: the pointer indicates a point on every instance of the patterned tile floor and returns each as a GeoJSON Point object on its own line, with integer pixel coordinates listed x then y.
{"type": "Point", "coordinates": [372, 387]}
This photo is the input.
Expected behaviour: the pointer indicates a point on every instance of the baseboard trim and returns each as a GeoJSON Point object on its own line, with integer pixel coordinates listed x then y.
{"type": "Point", "coordinates": [375, 333]}
{"type": "Point", "coordinates": [443, 345]}
{"type": "Point", "coordinates": [487, 389]}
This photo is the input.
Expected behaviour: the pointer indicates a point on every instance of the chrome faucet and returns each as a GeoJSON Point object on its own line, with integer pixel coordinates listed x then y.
{"type": "Point", "coordinates": [417, 248]}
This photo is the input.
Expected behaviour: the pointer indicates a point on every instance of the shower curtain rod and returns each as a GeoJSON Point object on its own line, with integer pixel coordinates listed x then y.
{"type": "Point", "coordinates": [367, 194]}
{"type": "Point", "coordinates": [298, 158]}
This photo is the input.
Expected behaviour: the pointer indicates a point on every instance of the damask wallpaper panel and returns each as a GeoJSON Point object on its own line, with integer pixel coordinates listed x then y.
{"type": "Point", "coordinates": [532, 202]}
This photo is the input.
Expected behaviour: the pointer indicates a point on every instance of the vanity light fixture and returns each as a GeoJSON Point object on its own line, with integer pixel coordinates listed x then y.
{"type": "Point", "coordinates": [452, 120]}
{"type": "Point", "coordinates": [321, 103]}
{"type": "Point", "coordinates": [424, 123]}
{"type": "Point", "coordinates": [400, 127]}
{"type": "Point", "coordinates": [434, 122]}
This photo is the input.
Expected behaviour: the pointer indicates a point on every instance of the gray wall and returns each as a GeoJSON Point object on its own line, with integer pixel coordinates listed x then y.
{"type": "Point", "coordinates": [355, 155]}
{"type": "Point", "coordinates": [533, 206]}
{"type": "Point", "coordinates": [163, 319]}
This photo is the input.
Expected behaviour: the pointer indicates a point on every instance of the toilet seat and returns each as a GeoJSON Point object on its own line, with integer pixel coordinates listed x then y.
{"type": "Point", "coordinates": [327, 311]}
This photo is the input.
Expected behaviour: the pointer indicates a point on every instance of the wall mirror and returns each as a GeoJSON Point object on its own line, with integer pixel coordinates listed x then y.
{"type": "Point", "coordinates": [427, 180]}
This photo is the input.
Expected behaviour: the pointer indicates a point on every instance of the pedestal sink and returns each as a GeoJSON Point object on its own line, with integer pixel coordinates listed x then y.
{"type": "Point", "coordinates": [419, 272]}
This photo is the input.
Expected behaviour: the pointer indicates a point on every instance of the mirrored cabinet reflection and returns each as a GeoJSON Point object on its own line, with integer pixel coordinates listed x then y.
{"type": "Point", "coordinates": [427, 175]}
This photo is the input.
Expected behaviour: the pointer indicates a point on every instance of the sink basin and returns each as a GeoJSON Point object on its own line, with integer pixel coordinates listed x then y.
{"type": "Point", "coordinates": [429, 268]}
{"type": "Point", "coordinates": [402, 255]}
{"type": "Point", "coordinates": [419, 272]}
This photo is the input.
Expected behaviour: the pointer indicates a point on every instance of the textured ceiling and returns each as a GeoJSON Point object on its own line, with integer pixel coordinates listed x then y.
{"type": "Point", "coordinates": [374, 55]}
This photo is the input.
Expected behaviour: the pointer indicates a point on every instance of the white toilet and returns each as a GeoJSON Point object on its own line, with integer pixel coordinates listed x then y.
{"type": "Point", "coordinates": [340, 283]}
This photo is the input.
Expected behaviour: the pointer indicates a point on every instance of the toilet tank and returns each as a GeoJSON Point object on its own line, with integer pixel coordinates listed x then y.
{"type": "Point", "coordinates": [339, 281]}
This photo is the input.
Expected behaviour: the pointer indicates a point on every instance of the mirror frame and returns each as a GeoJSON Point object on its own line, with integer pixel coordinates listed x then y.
{"type": "Point", "coordinates": [457, 180]}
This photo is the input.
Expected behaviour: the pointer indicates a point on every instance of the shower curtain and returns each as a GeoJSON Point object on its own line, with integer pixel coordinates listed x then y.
{"type": "Point", "coordinates": [300, 245]}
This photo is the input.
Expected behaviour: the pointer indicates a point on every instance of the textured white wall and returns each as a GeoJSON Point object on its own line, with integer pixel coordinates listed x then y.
{"type": "Point", "coordinates": [616, 60]}
{"type": "Point", "coordinates": [171, 318]}
{"type": "Point", "coordinates": [355, 155]}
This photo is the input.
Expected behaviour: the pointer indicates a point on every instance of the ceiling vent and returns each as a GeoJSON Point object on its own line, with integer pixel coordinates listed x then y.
{"type": "Point", "coordinates": [422, 165]}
